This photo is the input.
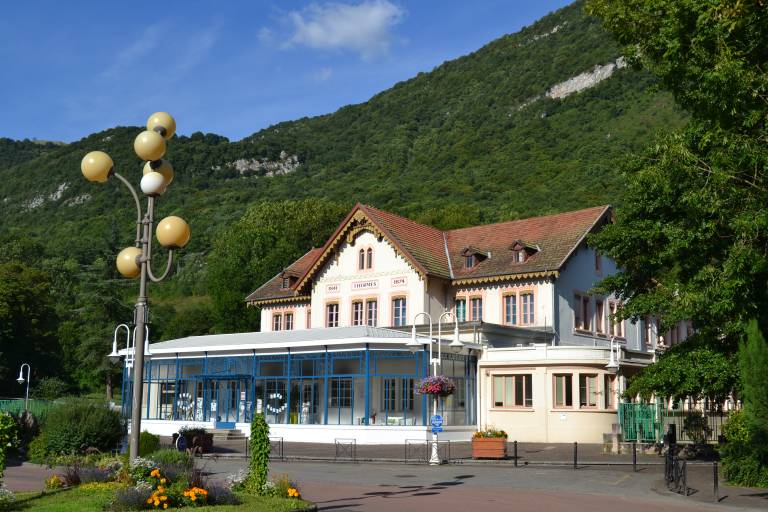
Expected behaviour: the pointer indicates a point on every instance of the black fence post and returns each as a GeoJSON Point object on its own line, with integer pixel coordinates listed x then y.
{"type": "Point", "coordinates": [515, 452]}
{"type": "Point", "coordinates": [575, 454]}
{"type": "Point", "coordinates": [715, 482]}
{"type": "Point", "coordinates": [634, 456]}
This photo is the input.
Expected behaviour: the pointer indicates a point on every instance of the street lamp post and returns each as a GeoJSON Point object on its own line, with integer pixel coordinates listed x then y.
{"type": "Point", "coordinates": [20, 380]}
{"type": "Point", "coordinates": [172, 233]}
{"type": "Point", "coordinates": [414, 345]}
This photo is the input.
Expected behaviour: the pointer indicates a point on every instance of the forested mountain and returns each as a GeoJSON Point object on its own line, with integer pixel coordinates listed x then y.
{"type": "Point", "coordinates": [534, 122]}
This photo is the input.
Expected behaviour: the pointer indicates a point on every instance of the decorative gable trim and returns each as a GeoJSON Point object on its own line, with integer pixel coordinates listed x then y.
{"type": "Point", "coordinates": [506, 277]}
{"type": "Point", "coordinates": [283, 300]}
{"type": "Point", "coordinates": [357, 222]}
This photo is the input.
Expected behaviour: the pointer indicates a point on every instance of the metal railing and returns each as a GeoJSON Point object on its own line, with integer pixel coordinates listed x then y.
{"type": "Point", "coordinates": [346, 449]}
{"type": "Point", "coordinates": [420, 451]}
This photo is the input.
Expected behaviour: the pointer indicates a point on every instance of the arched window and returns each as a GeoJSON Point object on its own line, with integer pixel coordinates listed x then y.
{"type": "Point", "coordinates": [361, 259]}
{"type": "Point", "coordinates": [369, 259]}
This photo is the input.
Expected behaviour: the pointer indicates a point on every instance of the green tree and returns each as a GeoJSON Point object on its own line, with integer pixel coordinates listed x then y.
{"type": "Point", "coordinates": [27, 324]}
{"type": "Point", "coordinates": [753, 363]}
{"type": "Point", "coordinates": [692, 234]}
{"type": "Point", "coordinates": [258, 246]}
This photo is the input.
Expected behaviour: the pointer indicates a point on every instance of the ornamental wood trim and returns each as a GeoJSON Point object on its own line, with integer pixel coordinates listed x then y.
{"type": "Point", "coordinates": [505, 277]}
{"type": "Point", "coordinates": [355, 224]}
{"type": "Point", "coordinates": [279, 300]}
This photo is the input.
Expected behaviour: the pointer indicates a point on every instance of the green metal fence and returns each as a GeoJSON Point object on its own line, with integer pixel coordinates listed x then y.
{"type": "Point", "coordinates": [39, 408]}
{"type": "Point", "coordinates": [641, 422]}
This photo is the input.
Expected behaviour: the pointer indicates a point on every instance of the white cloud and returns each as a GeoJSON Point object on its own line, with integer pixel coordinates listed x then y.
{"type": "Point", "coordinates": [132, 53]}
{"type": "Point", "coordinates": [322, 75]}
{"type": "Point", "coordinates": [363, 28]}
{"type": "Point", "coordinates": [265, 35]}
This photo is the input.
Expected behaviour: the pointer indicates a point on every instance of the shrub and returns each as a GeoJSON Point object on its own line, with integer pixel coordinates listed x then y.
{"type": "Point", "coordinates": [53, 482]}
{"type": "Point", "coordinates": [171, 457]}
{"type": "Point", "coordinates": [7, 499]}
{"type": "Point", "coordinates": [148, 443]}
{"type": "Point", "coordinates": [77, 424]}
{"type": "Point", "coordinates": [259, 465]}
{"type": "Point", "coordinates": [36, 450]}
{"type": "Point", "coordinates": [28, 427]}
{"type": "Point", "coordinates": [220, 495]}
{"type": "Point", "coordinates": [696, 427]}
{"type": "Point", "coordinates": [741, 464]}
{"type": "Point", "coordinates": [50, 388]}
{"type": "Point", "coordinates": [141, 468]}
{"type": "Point", "coordinates": [131, 498]}
{"type": "Point", "coordinates": [7, 437]}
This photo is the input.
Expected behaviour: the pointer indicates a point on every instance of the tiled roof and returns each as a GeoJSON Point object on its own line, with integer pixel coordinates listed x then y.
{"type": "Point", "coordinates": [425, 244]}
{"type": "Point", "coordinates": [273, 289]}
{"type": "Point", "coordinates": [429, 249]}
{"type": "Point", "coordinates": [556, 236]}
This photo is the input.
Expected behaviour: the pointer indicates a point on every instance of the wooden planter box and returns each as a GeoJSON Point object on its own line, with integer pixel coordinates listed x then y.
{"type": "Point", "coordinates": [205, 441]}
{"type": "Point", "coordinates": [489, 448]}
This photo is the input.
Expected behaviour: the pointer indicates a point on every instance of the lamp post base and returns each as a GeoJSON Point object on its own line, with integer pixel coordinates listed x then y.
{"type": "Point", "coordinates": [434, 459]}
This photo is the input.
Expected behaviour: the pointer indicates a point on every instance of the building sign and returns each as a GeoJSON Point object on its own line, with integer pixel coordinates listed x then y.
{"type": "Point", "coordinates": [333, 288]}
{"type": "Point", "coordinates": [399, 281]}
{"type": "Point", "coordinates": [365, 285]}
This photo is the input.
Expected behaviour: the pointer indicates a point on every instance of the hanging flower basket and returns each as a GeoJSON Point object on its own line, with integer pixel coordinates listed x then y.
{"type": "Point", "coordinates": [436, 386]}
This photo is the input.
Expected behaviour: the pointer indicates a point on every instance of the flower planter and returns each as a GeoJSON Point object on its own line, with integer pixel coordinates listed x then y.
{"type": "Point", "coordinates": [489, 448]}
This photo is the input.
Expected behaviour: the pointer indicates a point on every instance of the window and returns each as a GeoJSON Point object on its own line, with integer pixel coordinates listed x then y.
{"type": "Point", "coordinates": [598, 264]}
{"type": "Point", "coordinates": [477, 308]}
{"type": "Point", "coordinates": [332, 315]}
{"type": "Point", "coordinates": [615, 328]}
{"type": "Point", "coordinates": [361, 259]}
{"type": "Point", "coordinates": [341, 393]}
{"type": "Point", "coordinates": [461, 310]}
{"type": "Point", "coordinates": [599, 316]}
{"type": "Point", "coordinates": [398, 394]}
{"type": "Point", "coordinates": [527, 300]}
{"type": "Point", "coordinates": [372, 313]}
{"type": "Point", "coordinates": [587, 390]}
{"type": "Point", "coordinates": [510, 309]}
{"type": "Point", "coordinates": [277, 322]}
{"type": "Point", "coordinates": [563, 391]}
{"type": "Point", "coordinates": [512, 391]}
{"type": "Point", "coordinates": [469, 261]}
{"type": "Point", "coordinates": [289, 321]}
{"type": "Point", "coordinates": [369, 258]}
{"type": "Point", "coordinates": [398, 312]}
{"type": "Point", "coordinates": [649, 338]}
{"type": "Point", "coordinates": [357, 313]}
{"type": "Point", "coordinates": [610, 391]}
{"type": "Point", "coordinates": [286, 282]}
{"type": "Point", "coordinates": [581, 312]}
{"type": "Point", "coordinates": [673, 335]}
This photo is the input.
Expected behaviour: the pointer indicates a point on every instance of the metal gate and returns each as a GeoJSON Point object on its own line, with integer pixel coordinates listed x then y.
{"type": "Point", "coordinates": [641, 422]}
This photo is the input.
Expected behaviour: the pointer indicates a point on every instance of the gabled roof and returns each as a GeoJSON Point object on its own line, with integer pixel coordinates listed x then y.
{"type": "Point", "coordinates": [273, 289]}
{"type": "Point", "coordinates": [437, 253]}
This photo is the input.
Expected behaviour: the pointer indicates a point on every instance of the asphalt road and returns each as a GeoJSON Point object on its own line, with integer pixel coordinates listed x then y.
{"type": "Point", "coordinates": [404, 488]}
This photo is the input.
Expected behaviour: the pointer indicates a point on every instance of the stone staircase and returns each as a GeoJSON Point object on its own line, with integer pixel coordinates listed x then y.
{"type": "Point", "coordinates": [223, 434]}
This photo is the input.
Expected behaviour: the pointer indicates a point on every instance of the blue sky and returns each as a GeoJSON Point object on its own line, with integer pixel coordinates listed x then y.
{"type": "Point", "coordinates": [232, 68]}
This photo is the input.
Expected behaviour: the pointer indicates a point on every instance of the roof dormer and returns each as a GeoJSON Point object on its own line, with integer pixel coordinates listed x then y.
{"type": "Point", "coordinates": [288, 279]}
{"type": "Point", "coordinates": [522, 251]}
{"type": "Point", "coordinates": [473, 256]}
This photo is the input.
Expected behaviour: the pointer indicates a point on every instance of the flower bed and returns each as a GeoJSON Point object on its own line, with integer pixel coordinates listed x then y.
{"type": "Point", "coordinates": [489, 444]}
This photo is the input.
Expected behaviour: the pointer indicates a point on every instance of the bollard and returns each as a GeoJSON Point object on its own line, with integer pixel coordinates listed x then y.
{"type": "Point", "coordinates": [575, 454]}
{"type": "Point", "coordinates": [515, 449]}
{"type": "Point", "coordinates": [715, 481]}
{"type": "Point", "coordinates": [634, 456]}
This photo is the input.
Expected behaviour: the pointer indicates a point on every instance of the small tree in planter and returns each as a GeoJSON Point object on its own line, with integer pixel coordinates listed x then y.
{"type": "Point", "coordinates": [258, 469]}
{"type": "Point", "coordinates": [490, 443]}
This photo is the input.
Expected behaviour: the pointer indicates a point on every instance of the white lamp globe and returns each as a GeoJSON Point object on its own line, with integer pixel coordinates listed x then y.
{"type": "Point", "coordinates": [153, 184]}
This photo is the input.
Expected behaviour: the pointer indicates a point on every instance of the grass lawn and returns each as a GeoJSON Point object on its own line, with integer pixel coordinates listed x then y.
{"type": "Point", "coordinates": [76, 500]}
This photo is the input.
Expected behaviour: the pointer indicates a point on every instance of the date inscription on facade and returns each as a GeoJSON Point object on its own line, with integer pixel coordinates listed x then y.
{"type": "Point", "coordinates": [333, 288]}
{"type": "Point", "coordinates": [399, 281]}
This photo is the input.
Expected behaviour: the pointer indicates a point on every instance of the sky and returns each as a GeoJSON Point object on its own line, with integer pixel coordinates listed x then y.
{"type": "Point", "coordinates": [72, 68]}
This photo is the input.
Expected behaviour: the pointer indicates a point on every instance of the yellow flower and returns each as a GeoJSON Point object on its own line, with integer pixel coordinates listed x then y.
{"type": "Point", "coordinates": [157, 502]}
{"type": "Point", "coordinates": [192, 497]}
{"type": "Point", "coordinates": [162, 480]}
{"type": "Point", "coordinates": [165, 505]}
{"type": "Point", "coordinates": [149, 500]}
{"type": "Point", "coordinates": [163, 498]}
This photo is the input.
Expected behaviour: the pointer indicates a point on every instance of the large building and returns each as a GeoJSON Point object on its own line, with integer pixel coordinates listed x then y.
{"type": "Point", "coordinates": [335, 356]}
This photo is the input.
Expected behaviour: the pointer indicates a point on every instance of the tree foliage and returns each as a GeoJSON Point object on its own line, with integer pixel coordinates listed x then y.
{"type": "Point", "coordinates": [258, 467]}
{"type": "Point", "coordinates": [258, 246]}
{"type": "Point", "coordinates": [688, 370]}
{"type": "Point", "coordinates": [693, 230]}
